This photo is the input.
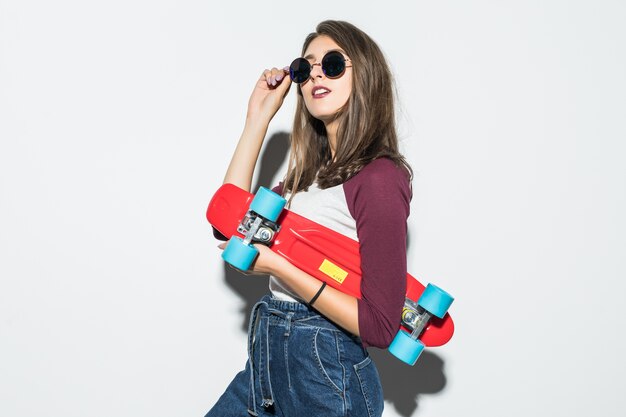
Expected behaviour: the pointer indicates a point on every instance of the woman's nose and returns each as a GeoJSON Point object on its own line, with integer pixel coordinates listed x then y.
{"type": "Point", "coordinates": [316, 70]}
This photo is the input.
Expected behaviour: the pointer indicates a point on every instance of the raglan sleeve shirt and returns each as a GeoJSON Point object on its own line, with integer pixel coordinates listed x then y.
{"type": "Point", "coordinates": [378, 199]}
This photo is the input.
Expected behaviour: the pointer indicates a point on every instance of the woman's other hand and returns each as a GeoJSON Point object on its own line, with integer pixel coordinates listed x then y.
{"type": "Point", "coordinates": [269, 93]}
{"type": "Point", "coordinates": [265, 262]}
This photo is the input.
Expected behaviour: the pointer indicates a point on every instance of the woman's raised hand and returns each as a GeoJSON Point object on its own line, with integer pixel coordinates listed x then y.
{"type": "Point", "coordinates": [267, 97]}
{"type": "Point", "coordinates": [269, 93]}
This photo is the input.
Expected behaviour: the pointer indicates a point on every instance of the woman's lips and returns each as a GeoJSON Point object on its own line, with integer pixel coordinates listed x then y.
{"type": "Point", "coordinates": [320, 91]}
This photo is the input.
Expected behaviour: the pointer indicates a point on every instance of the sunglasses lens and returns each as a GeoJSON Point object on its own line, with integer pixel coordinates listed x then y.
{"type": "Point", "coordinates": [299, 70]}
{"type": "Point", "coordinates": [333, 64]}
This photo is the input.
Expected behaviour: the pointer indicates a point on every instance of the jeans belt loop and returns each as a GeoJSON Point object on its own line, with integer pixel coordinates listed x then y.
{"type": "Point", "coordinates": [289, 318]}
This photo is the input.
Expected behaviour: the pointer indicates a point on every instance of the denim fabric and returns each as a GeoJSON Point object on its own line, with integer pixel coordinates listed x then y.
{"type": "Point", "coordinates": [301, 364]}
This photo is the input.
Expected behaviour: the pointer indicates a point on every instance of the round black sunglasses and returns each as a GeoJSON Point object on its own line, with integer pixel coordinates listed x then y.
{"type": "Point", "coordinates": [333, 65]}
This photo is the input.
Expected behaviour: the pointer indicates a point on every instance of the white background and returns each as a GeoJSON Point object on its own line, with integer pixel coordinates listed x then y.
{"type": "Point", "coordinates": [117, 122]}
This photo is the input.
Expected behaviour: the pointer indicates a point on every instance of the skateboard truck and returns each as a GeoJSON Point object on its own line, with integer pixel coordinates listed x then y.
{"type": "Point", "coordinates": [257, 229]}
{"type": "Point", "coordinates": [416, 316]}
{"type": "Point", "coordinates": [258, 225]}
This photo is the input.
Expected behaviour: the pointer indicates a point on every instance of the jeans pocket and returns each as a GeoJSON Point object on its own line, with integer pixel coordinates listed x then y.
{"type": "Point", "coordinates": [370, 386]}
{"type": "Point", "coordinates": [326, 353]}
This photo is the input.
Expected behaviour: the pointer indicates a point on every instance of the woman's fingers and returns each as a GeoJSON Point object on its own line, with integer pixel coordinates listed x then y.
{"type": "Point", "coordinates": [266, 76]}
{"type": "Point", "coordinates": [275, 76]}
{"type": "Point", "coordinates": [269, 93]}
{"type": "Point", "coordinates": [285, 79]}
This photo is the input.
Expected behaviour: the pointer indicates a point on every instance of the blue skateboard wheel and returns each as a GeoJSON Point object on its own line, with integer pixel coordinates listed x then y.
{"type": "Point", "coordinates": [267, 204]}
{"type": "Point", "coordinates": [435, 300]}
{"type": "Point", "coordinates": [405, 348]}
{"type": "Point", "coordinates": [238, 254]}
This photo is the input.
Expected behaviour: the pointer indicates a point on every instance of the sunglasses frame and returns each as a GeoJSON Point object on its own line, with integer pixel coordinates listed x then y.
{"type": "Point", "coordinates": [307, 71]}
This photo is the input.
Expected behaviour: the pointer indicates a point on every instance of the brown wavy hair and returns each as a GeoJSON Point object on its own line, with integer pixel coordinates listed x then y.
{"type": "Point", "coordinates": [367, 128]}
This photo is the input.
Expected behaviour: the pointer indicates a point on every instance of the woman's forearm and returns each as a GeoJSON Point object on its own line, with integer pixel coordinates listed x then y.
{"type": "Point", "coordinates": [241, 167]}
{"type": "Point", "coordinates": [340, 308]}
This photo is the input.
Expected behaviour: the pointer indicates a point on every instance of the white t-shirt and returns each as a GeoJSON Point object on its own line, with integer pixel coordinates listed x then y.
{"type": "Point", "coordinates": [327, 207]}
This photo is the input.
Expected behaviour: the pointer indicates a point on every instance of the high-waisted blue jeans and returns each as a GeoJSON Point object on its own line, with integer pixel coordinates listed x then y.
{"type": "Point", "coordinates": [300, 364]}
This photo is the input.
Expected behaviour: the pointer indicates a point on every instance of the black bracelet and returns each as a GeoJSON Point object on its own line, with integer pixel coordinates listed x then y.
{"type": "Point", "coordinates": [317, 294]}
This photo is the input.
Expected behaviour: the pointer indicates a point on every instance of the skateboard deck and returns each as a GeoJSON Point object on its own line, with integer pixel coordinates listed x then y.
{"type": "Point", "coordinates": [321, 252]}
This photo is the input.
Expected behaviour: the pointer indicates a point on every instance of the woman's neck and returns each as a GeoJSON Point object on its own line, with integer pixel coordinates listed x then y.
{"type": "Point", "coordinates": [331, 134]}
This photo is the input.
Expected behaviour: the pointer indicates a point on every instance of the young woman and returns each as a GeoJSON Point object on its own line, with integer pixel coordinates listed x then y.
{"type": "Point", "coordinates": [307, 341]}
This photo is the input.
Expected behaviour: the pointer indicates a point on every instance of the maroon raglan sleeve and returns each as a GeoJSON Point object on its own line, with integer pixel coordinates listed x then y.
{"type": "Point", "coordinates": [277, 189]}
{"type": "Point", "coordinates": [379, 200]}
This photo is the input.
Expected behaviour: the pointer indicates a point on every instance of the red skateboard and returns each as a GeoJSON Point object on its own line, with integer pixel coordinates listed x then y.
{"type": "Point", "coordinates": [325, 254]}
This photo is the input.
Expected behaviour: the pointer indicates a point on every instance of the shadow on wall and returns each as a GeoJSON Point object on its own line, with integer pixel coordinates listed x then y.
{"type": "Point", "coordinates": [402, 384]}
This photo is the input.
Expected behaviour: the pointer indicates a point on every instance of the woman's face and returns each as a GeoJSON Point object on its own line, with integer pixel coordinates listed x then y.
{"type": "Point", "coordinates": [324, 96]}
